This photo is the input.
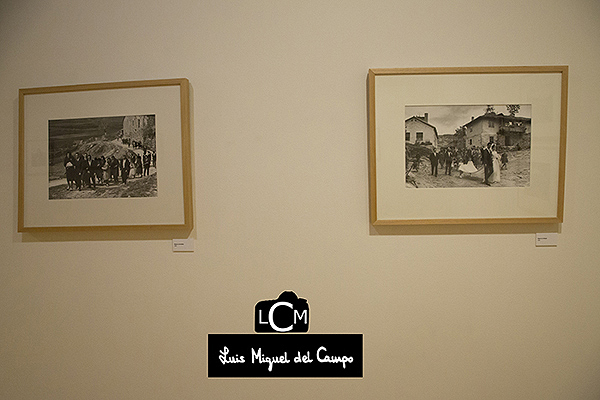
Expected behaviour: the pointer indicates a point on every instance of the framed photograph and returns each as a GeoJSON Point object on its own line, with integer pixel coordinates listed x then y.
{"type": "Point", "coordinates": [467, 145]}
{"type": "Point", "coordinates": [105, 156]}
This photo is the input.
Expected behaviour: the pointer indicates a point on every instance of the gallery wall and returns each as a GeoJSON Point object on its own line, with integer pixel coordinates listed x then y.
{"type": "Point", "coordinates": [280, 175]}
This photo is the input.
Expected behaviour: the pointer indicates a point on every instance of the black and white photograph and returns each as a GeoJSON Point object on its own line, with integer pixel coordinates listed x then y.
{"type": "Point", "coordinates": [88, 156]}
{"type": "Point", "coordinates": [467, 146]}
{"type": "Point", "coordinates": [464, 131]}
{"type": "Point", "coordinates": [102, 157]}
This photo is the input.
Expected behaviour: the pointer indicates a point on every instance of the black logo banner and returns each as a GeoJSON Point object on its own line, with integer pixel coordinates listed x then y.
{"type": "Point", "coordinates": [285, 356]}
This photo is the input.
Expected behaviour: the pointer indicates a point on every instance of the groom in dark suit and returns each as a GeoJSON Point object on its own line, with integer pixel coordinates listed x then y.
{"type": "Point", "coordinates": [487, 160]}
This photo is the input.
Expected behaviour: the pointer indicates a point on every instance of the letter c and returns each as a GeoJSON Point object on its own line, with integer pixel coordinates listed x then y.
{"type": "Point", "coordinates": [319, 354]}
{"type": "Point", "coordinates": [272, 310]}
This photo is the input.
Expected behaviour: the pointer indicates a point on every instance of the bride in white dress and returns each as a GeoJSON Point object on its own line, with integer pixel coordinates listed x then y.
{"type": "Point", "coordinates": [495, 177]}
{"type": "Point", "coordinates": [467, 168]}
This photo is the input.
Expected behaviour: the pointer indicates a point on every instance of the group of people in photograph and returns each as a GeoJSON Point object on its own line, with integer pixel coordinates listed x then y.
{"type": "Point", "coordinates": [83, 171]}
{"type": "Point", "coordinates": [469, 161]}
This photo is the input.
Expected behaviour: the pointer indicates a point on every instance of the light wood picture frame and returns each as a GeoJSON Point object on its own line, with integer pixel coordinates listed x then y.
{"type": "Point", "coordinates": [111, 156]}
{"type": "Point", "coordinates": [471, 116]}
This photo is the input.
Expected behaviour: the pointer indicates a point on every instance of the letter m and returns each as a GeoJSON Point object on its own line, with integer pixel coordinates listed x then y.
{"type": "Point", "coordinates": [301, 316]}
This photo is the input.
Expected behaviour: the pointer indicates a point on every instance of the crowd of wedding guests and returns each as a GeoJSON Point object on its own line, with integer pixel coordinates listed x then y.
{"type": "Point", "coordinates": [83, 171]}
{"type": "Point", "coordinates": [470, 160]}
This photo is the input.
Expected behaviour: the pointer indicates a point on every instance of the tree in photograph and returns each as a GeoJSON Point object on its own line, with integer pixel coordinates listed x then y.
{"type": "Point", "coordinates": [513, 109]}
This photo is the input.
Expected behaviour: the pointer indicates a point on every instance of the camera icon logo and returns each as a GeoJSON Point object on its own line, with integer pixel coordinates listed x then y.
{"type": "Point", "coordinates": [287, 313]}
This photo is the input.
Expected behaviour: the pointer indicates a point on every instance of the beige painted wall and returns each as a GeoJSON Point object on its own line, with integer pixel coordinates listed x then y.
{"type": "Point", "coordinates": [280, 175]}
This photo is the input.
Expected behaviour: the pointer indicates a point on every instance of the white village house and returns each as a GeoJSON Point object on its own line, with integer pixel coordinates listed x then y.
{"type": "Point", "coordinates": [505, 130]}
{"type": "Point", "coordinates": [418, 130]}
{"type": "Point", "coordinates": [133, 127]}
{"type": "Point", "coordinates": [140, 129]}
